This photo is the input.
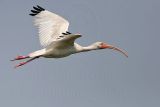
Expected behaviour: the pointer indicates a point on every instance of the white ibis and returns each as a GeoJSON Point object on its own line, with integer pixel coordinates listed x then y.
{"type": "Point", "coordinates": [55, 39]}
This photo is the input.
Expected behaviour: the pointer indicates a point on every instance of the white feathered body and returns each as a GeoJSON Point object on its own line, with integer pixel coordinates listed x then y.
{"type": "Point", "coordinates": [54, 51]}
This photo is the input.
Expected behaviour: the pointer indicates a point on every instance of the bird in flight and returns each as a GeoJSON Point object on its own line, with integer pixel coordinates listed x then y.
{"type": "Point", "coordinates": [56, 40]}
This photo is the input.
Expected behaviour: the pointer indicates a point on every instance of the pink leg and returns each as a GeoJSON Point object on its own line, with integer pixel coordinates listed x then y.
{"type": "Point", "coordinates": [23, 63]}
{"type": "Point", "coordinates": [20, 57]}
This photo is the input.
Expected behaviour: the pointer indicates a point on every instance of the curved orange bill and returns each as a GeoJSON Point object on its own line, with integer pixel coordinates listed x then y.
{"type": "Point", "coordinates": [115, 48]}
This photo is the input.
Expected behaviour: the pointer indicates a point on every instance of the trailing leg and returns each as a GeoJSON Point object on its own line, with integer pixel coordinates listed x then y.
{"type": "Point", "coordinates": [23, 63]}
{"type": "Point", "coordinates": [20, 58]}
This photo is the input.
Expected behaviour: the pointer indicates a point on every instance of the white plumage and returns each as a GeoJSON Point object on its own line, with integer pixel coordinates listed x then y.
{"type": "Point", "coordinates": [50, 26]}
{"type": "Point", "coordinates": [55, 39]}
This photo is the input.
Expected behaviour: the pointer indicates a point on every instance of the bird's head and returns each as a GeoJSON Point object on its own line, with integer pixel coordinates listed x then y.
{"type": "Point", "coordinates": [102, 45]}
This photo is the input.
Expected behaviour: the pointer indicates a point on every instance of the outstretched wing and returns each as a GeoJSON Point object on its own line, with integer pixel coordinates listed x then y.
{"type": "Point", "coordinates": [50, 25]}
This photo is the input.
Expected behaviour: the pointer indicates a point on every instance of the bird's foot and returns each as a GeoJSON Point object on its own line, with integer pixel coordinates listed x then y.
{"type": "Point", "coordinates": [20, 57]}
{"type": "Point", "coordinates": [20, 64]}
{"type": "Point", "coordinates": [23, 63]}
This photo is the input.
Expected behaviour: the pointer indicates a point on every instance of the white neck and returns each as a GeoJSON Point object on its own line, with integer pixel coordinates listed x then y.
{"type": "Point", "coordinates": [85, 49]}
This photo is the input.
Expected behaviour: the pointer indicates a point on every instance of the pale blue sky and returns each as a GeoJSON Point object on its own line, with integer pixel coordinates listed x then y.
{"type": "Point", "coordinates": [95, 79]}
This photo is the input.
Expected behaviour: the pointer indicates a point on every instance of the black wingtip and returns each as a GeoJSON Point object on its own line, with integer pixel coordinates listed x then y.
{"type": "Point", "coordinates": [68, 32]}
{"type": "Point", "coordinates": [32, 14]}
{"type": "Point", "coordinates": [64, 33]}
{"type": "Point", "coordinates": [36, 10]}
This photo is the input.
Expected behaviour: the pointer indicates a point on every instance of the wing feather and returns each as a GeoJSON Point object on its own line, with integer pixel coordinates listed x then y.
{"type": "Point", "coordinates": [50, 25]}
